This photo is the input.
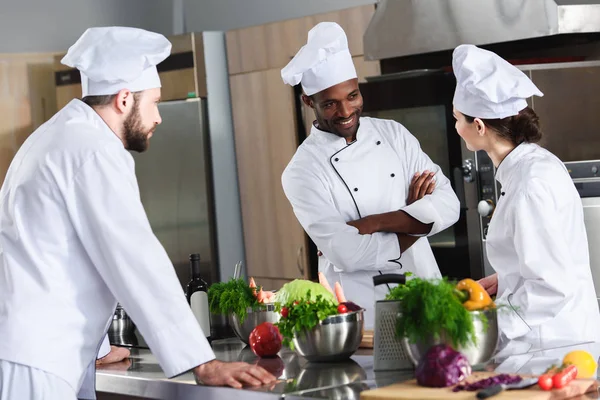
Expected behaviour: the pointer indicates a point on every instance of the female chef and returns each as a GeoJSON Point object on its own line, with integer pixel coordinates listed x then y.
{"type": "Point", "coordinates": [536, 240]}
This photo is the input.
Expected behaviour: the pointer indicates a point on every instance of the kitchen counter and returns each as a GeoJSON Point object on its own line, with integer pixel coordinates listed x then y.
{"type": "Point", "coordinates": [141, 376]}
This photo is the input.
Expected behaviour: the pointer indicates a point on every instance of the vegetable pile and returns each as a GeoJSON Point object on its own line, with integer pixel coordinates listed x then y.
{"type": "Point", "coordinates": [303, 304]}
{"type": "Point", "coordinates": [442, 366]}
{"type": "Point", "coordinates": [432, 308]}
{"type": "Point", "coordinates": [235, 297]}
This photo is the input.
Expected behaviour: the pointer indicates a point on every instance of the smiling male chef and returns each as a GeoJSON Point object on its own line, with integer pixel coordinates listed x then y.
{"type": "Point", "coordinates": [74, 237]}
{"type": "Point", "coordinates": [356, 183]}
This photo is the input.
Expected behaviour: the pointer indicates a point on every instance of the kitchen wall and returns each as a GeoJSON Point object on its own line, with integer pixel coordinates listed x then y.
{"type": "Point", "coordinates": [28, 26]}
{"type": "Point", "coordinates": [203, 15]}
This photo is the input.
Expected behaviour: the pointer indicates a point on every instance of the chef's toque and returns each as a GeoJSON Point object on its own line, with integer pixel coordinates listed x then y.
{"type": "Point", "coordinates": [110, 59]}
{"type": "Point", "coordinates": [487, 86]}
{"type": "Point", "coordinates": [323, 62]}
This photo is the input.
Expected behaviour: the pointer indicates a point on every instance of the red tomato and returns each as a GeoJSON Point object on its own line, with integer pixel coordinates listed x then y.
{"type": "Point", "coordinates": [284, 312]}
{"type": "Point", "coordinates": [545, 382]}
{"type": "Point", "coordinates": [564, 377]}
{"type": "Point", "coordinates": [342, 309]}
{"type": "Point", "coordinates": [265, 340]}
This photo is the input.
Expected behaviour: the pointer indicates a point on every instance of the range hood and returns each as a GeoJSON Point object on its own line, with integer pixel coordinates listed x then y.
{"type": "Point", "coordinates": [411, 27]}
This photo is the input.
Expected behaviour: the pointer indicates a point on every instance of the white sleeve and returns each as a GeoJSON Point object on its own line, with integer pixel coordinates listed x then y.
{"type": "Point", "coordinates": [543, 259]}
{"type": "Point", "coordinates": [442, 207]}
{"type": "Point", "coordinates": [108, 215]}
{"type": "Point", "coordinates": [340, 243]}
{"type": "Point", "coordinates": [104, 348]}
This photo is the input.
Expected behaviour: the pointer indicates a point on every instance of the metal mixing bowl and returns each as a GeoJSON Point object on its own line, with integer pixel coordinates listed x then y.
{"type": "Point", "coordinates": [479, 353]}
{"type": "Point", "coordinates": [253, 319]}
{"type": "Point", "coordinates": [335, 338]}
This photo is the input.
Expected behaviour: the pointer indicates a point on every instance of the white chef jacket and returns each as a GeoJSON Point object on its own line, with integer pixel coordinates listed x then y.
{"type": "Point", "coordinates": [538, 245]}
{"type": "Point", "coordinates": [329, 183]}
{"type": "Point", "coordinates": [74, 238]}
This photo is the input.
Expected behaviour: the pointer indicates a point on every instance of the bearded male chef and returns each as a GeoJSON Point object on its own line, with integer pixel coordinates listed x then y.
{"type": "Point", "coordinates": [74, 237]}
{"type": "Point", "coordinates": [349, 182]}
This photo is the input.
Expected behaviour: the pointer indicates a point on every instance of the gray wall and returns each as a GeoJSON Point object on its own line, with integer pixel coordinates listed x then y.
{"type": "Point", "coordinates": [54, 25]}
{"type": "Point", "coordinates": [206, 15]}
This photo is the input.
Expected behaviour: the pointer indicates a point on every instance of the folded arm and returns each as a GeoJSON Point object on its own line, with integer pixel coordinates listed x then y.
{"type": "Point", "coordinates": [438, 210]}
{"type": "Point", "coordinates": [341, 243]}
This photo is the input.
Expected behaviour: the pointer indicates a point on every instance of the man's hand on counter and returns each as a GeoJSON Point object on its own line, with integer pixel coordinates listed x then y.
{"type": "Point", "coordinates": [234, 374]}
{"type": "Point", "coordinates": [117, 354]}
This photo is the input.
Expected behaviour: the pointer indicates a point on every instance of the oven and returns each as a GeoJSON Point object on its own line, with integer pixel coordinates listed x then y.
{"type": "Point", "coordinates": [586, 177]}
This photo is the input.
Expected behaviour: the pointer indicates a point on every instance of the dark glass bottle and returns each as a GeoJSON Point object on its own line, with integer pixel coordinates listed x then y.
{"type": "Point", "coordinates": [197, 296]}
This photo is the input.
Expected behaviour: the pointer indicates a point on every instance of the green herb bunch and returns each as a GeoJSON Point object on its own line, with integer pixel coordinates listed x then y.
{"type": "Point", "coordinates": [303, 314]}
{"type": "Point", "coordinates": [430, 309]}
{"type": "Point", "coordinates": [233, 297]}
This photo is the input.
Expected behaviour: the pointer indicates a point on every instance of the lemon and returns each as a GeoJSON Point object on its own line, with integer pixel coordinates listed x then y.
{"type": "Point", "coordinates": [584, 361]}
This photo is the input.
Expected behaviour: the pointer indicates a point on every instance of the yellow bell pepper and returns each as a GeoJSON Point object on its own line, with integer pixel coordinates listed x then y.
{"type": "Point", "coordinates": [478, 297]}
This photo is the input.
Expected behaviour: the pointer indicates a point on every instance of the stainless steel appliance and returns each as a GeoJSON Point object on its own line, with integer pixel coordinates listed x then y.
{"type": "Point", "coordinates": [175, 181]}
{"type": "Point", "coordinates": [586, 176]}
{"type": "Point", "coordinates": [422, 101]}
{"type": "Point", "coordinates": [402, 28]}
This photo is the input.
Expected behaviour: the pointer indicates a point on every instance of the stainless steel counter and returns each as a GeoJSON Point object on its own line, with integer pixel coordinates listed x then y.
{"type": "Point", "coordinates": [141, 376]}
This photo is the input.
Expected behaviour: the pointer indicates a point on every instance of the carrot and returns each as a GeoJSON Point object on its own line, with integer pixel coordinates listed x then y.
{"type": "Point", "coordinates": [323, 281]}
{"type": "Point", "coordinates": [252, 284]}
{"type": "Point", "coordinates": [339, 293]}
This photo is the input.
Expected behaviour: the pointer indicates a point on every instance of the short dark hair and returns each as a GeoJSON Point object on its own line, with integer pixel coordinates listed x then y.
{"type": "Point", "coordinates": [523, 127]}
{"type": "Point", "coordinates": [104, 100]}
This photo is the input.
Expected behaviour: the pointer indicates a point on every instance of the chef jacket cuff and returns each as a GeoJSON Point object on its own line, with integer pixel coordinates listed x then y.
{"type": "Point", "coordinates": [180, 348]}
{"type": "Point", "coordinates": [104, 348]}
{"type": "Point", "coordinates": [389, 250]}
{"type": "Point", "coordinates": [424, 212]}
{"type": "Point", "coordinates": [513, 326]}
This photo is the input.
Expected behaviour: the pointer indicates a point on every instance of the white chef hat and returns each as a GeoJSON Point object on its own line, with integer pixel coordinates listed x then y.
{"type": "Point", "coordinates": [487, 86]}
{"type": "Point", "coordinates": [324, 61]}
{"type": "Point", "coordinates": [110, 59]}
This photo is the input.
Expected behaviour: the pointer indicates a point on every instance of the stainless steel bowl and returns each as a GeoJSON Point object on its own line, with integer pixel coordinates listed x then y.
{"type": "Point", "coordinates": [335, 338]}
{"type": "Point", "coordinates": [477, 353]}
{"type": "Point", "coordinates": [253, 319]}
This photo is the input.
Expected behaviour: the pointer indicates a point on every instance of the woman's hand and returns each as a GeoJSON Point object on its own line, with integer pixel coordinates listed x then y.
{"type": "Point", "coordinates": [490, 284]}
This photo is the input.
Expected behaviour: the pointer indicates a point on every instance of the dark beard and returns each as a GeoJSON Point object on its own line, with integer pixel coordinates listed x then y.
{"type": "Point", "coordinates": [136, 136]}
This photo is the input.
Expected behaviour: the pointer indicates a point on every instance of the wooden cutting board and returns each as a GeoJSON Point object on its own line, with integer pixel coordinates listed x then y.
{"type": "Point", "coordinates": [367, 340]}
{"type": "Point", "coordinates": [410, 390]}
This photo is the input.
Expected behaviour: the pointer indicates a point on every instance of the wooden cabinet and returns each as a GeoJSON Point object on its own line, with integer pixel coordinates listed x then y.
{"type": "Point", "coordinates": [182, 74]}
{"type": "Point", "coordinates": [274, 45]}
{"type": "Point", "coordinates": [265, 141]}
{"type": "Point", "coordinates": [26, 100]}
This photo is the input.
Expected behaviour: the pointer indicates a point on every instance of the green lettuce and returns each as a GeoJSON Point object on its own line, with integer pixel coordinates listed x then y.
{"type": "Point", "coordinates": [298, 289]}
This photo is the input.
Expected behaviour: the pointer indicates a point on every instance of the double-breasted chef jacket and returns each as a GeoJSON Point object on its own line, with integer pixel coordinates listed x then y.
{"type": "Point", "coordinates": [537, 244]}
{"type": "Point", "coordinates": [330, 182]}
{"type": "Point", "coordinates": [74, 238]}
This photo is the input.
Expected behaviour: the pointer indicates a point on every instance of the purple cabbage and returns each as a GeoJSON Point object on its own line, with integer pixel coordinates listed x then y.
{"type": "Point", "coordinates": [442, 366]}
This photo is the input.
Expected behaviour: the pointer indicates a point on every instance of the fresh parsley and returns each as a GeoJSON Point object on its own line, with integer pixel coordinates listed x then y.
{"type": "Point", "coordinates": [233, 297]}
{"type": "Point", "coordinates": [430, 309]}
{"type": "Point", "coordinates": [302, 314]}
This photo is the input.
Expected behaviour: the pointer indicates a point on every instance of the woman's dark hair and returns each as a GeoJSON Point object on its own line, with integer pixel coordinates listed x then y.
{"type": "Point", "coordinates": [523, 127]}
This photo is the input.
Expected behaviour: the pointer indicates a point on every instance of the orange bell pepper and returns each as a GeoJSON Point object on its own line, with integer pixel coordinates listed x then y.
{"type": "Point", "coordinates": [478, 297]}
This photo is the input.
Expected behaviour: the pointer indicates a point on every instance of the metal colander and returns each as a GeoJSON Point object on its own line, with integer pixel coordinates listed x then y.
{"type": "Point", "coordinates": [388, 350]}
